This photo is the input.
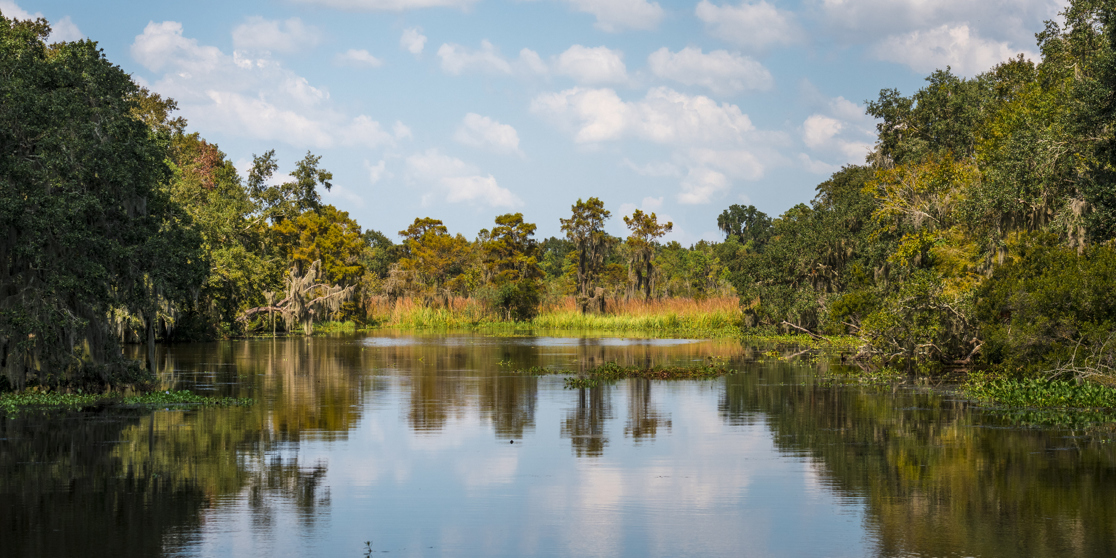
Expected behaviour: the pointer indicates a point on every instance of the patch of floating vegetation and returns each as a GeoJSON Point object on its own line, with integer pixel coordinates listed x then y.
{"type": "Point", "coordinates": [611, 372]}
{"type": "Point", "coordinates": [1039, 393]}
{"type": "Point", "coordinates": [13, 404]}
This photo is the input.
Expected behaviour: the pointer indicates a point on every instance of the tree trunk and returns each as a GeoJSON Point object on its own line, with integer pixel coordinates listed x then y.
{"type": "Point", "coordinates": [151, 345]}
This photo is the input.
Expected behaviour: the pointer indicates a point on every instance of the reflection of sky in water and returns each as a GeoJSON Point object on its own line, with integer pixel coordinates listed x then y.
{"type": "Point", "coordinates": [700, 486]}
{"type": "Point", "coordinates": [388, 341]}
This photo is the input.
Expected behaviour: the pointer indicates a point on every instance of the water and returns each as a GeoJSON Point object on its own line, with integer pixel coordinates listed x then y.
{"type": "Point", "coordinates": [414, 445]}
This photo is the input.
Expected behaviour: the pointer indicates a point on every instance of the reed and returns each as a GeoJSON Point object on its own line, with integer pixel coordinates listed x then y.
{"type": "Point", "coordinates": [712, 316]}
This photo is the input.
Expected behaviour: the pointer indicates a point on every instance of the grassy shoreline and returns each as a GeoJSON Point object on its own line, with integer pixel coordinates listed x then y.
{"type": "Point", "coordinates": [14, 403]}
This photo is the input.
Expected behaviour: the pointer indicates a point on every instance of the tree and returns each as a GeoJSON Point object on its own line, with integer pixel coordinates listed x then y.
{"type": "Point", "coordinates": [434, 257]}
{"type": "Point", "coordinates": [585, 228]}
{"type": "Point", "coordinates": [512, 258]}
{"type": "Point", "coordinates": [87, 228]}
{"type": "Point", "coordinates": [641, 246]}
{"type": "Point", "coordinates": [750, 226]}
{"type": "Point", "coordinates": [289, 199]}
{"type": "Point", "coordinates": [306, 299]}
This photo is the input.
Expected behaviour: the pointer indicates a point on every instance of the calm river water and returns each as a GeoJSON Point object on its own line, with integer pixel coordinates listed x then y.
{"type": "Point", "coordinates": [431, 445]}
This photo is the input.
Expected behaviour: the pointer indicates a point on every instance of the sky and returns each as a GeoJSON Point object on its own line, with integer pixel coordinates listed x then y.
{"type": "Point", "coordinates": [463, 110]}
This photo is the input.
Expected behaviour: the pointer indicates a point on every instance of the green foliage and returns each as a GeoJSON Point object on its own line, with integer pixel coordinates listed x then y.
{"type": "Point", "coordinates": [585, 229]}
{"type": "Point", "coordinates": [88, 228]}
{"type": "Point", "coordinates": [1047, 305]}
{"type": "Point", "coordinates": [511, 256]}
{"type": "Point", "coordinates": [13, 404]}
{"type": "Point", "coordinates": [1040, 393]}
{"type": "Point", "coordinates": [612, 372]}
{"type": "Point", "coordinates": [641, 247]}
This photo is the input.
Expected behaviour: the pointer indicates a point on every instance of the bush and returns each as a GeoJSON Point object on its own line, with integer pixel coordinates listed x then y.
{"type": "Point", "coordinates": [1048, 306]}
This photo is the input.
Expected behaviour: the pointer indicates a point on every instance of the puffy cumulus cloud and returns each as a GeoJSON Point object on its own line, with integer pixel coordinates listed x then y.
{"type": "Point", "coordinates": [955, 46]}
{"type": "Point", "coordinates": [663, 116]}
{"type": "Point", "coordinates": [819, 130]}
{"type": "Point", "coordinates": [485, 133]}
{"type": "Point", "coordinates": [592, 65]}
{"type": "Point", "coordinates": [713, 143]}
{"type": "Point", "coordinates": [720, 71]}
{"type": "Point", "coordinates": [750, 25]}
{"type": "Point", "coordinates": [532, 63]}
{"type": "Point", "coordinates": [245, 96]}
{"type": "Point", "coordinates": [840, 131]}
{"type": "Point", "coordinates": [412, 40]}
{"type": "Point", "coordinates": [62, 30]}
{"type": "Point", "coordinates": [388, 5]}
{"type": "Point", "coordinates": [616, 15]}
{"type": "Point", "coordinates": [700, 185]}
{"type": "Point", "coordinates": [457, 181]}
{"type": "Point", "coordinates": [359, 58]}
{"type": "Point", "coordinates": [276, 36]}
{"type": "Point", "coordinates": [457, 59]}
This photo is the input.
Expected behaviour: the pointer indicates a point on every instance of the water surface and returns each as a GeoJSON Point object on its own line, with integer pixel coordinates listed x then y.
{"type": "Point", "coordinates": [424, 445]}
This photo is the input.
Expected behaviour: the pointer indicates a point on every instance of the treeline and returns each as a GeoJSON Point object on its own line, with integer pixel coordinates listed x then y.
{"type": "Point", "coordinates": [980, 230]}
{"type": "Point", "coordinates": [121, 226]}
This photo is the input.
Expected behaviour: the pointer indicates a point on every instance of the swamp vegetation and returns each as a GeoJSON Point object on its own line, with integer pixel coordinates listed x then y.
{"type": "Point", "coordinates": [979, 234]}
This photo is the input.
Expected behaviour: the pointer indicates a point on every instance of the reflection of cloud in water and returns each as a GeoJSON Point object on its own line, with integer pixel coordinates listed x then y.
{"type": "Point", "coordinates": [388, 341]}
{"type": "Point", "coordinates": [461, 341]}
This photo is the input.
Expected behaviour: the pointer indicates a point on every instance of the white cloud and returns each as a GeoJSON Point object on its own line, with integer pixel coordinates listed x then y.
{"type": "Point", "coordinates": [614, 15]}
{"type": "Point", "coordinates": [816, 167]}
{"type": "Point", "coordinates": [958, 47]}
{"type": "Point", "coordinates": [457, 59]}
{"type": "Point", "coordinates": [700, 185]}
{"type": "Point", "coordinates": [750, 25]}
{"type": "Point", "coordinates": [530, 61]}
{"type": "Point", "coordinates": [485, 133]}
{"type": "Point", "coordinates": [245, 96]}
{"type": "Point", "coordinates": [819, 130]}
{"type": "Point", "coordinates": [376, 172]}
{"type": "Point", "coordinates": [457, 181]}
{"type": "Point", "coordinates": [720, 71]}
{"type": "Point", "coordinates": [412, 40]}
{"type": "Point", "coordinates": [592, 65]}
{"type": "Point", "coordinates": [663, 116]}
{"type": "Point", "coordinates": [276, 36]}
{"type": "Point", "coordinates": [870, 20]}
{"type": "Point", "coordinates": [12, 11]}
{"type": "Point", "coordinates": [654, 170]}
{"type": "Point", "coordinates": [844, 132]}
{"type": "Point", "coordinates": [64, 30]}
{"type": "Point", "coordinates": [360, 58]}
{"type": "Point", "coordinates": [401, 131]}
{"type": "Point", "coordinates": [389, 5]}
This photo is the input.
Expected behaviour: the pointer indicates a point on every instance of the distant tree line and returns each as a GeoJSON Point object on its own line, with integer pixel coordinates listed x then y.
{"type": "Point", "coordinates": [980, 230]}
{"type": "Point", "coordinates": [121, 226]}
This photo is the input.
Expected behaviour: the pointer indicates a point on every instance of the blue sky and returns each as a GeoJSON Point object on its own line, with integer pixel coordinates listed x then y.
{"type": "Point", "coordinates": [462, 110]}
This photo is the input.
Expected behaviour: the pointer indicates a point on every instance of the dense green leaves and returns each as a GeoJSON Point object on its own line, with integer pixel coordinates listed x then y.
{"type": "Point", "coordinates": [88, 229]}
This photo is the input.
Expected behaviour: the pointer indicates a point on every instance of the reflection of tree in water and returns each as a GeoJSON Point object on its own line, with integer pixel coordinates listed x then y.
{"type": "Point", "coordinates": [938, 477]}
{"type": "Point", "coordinates": [584, 424]}
{"type": "Point", "coordinates": [643, 419]}
{"type": "Point", "coordinates": [509, 402]}
{"type": "Point", "coordinates": [133, 482]}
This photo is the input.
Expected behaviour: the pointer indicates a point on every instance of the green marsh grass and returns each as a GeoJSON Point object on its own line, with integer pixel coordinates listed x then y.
{"type": "Point", "coordinates": [1039, 393]}
{"type": "Point", "coordinates": [611, 372]}
{"type": "Point", "coordinates": [13, 404]}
